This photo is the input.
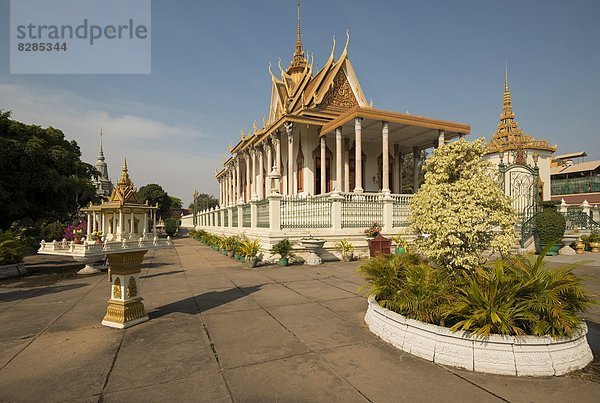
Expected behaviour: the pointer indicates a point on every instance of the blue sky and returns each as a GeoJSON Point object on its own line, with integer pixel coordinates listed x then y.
{"type": "Point", "coordinates": [440, 59]}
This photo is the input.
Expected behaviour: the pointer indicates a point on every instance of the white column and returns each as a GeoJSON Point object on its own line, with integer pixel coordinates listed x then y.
{"type": "Point", "coordinates": [416, 157]}
{"type": "Point", "coordinates": [400, 163]}
{"type": "Point", "coordinates": [238, 180]}
{"type": "Point", "coordinates": [385, 188]}
{"type": "Point", "coordinates": [261, 174]}
{"type": "Point", "coordinates": [247, 191]}
{"type": "Point", "coordinates": [396, 171]}
{"type": "Point", "coordinates": [131, 223]}
{"type": "Point", "coordinates": [94, 222]}
{"type": "Point", "coordinates": [290, 168]}
{"type": "Point", "coordinates": [323, 189]}
{"type": "Point", "coordinates": [346, 165]}
{"type": "Point", "coordinates": [441, 139]}
{"type": "Point", "coordinates": [113, 228]}
{"type": "Point", "coordinates": [254, 187]}
{"type": "Point", "coordinates": [278, 153]}
{"type": "Point", "coordinates": [120, 230]}
{"type": "Point", "coordinates": [338, 159]}
{"type": "Point", "coordinates": [89, 225]}
{"type": "Point", "coordinates": [145, 223]}
{"type": "Point", "coordinates": [358, 156]}
{"type": "Point", "coordinates": [269, 156]}
{"type": "Point", "coordinates": [154, 222]}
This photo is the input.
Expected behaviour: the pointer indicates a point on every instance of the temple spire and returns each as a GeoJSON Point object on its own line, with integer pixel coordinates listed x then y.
{"type": "Point", "coordinates": [298, 61]}
{"type": "Point", "coordinates": [507, 115]}
{"type": "Point", "coordinates": [101, 153]}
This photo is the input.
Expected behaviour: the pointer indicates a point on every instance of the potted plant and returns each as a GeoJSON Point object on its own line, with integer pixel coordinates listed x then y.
{"type": "Point", "coordinates": [230, 244]}
{"type": "Point", "coordinates": [594, 242]}
{"type": "Point", "coordinates": [373, 230]}
{"type": "Point", "coordinates": [346, 249]}
{"type": "Point", "coordinates": [12, 251]}
{"type": "Point", "coordinates": [550, 227]}
{"type": "Point", "coordinates": [401, 244]}
{"type": "Point", "coordinates": [250, 250]}
{"type": "Point", "coordinates": [283, 248]}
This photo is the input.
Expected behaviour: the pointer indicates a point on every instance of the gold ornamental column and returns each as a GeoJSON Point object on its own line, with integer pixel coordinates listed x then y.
{"type": "Point", "coordinates": [125, 307]}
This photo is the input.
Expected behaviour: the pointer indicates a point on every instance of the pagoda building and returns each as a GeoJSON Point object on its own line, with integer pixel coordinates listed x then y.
{"type": "Point", "coordinates": [102, 183]}
{"type": "Point", "coordinates": [123, 217]}
{"type": "Point", "coordinates": [512, 146]}
{"type": "Point", "coordinates": [321, 135]}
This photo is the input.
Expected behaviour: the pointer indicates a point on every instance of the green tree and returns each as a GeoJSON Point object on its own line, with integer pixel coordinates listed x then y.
{"type": "Point", "coordinates": [154, 193]}
{"type": "Point", "coordinates": [176, 202]}
{"type": "Point", "coordinates": [41, 174]}
{"type": "Point", "coordinates": [460, 211]}
{"type": "Point", "coordinates": [205, 201]}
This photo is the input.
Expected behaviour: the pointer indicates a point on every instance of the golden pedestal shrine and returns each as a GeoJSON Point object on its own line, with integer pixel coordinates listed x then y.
{"type": "Point", "coordinates": [123, 221]}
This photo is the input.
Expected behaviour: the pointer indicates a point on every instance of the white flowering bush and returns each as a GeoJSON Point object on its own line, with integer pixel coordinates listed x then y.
{"type": "Point", "coordinates": [460, 211]}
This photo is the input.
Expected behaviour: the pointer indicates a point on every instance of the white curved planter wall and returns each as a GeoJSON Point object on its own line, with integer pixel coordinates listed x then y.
{"type": "Point", "coordinates": [507, 355]}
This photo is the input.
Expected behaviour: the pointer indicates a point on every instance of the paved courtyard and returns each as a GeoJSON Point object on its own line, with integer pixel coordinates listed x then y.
{"type": "Point", "coordinates": [220, 331]}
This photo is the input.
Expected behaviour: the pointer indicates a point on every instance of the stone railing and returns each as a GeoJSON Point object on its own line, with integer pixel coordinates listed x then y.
{"type": "Point", "coordinates": [71, 248]}
{"type": "Point", "coordinates": [333, 212]}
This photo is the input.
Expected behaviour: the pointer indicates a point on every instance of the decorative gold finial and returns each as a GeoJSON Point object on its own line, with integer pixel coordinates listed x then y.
{"type": "Point", "coordinates": [507, 115]}
{"type": "Point", "coordinates": [298, 60]}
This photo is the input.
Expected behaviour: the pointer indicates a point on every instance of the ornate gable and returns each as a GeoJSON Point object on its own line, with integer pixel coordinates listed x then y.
{"type": "Point", "coordinates": [340, 94]}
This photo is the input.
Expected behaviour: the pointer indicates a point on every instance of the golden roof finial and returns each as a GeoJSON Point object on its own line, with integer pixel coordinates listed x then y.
{"type": "Point", "coordinates": [507, 113]}
{"type": "Point", "coordinates": [298, 61]}
{"type": "Point", "coordinates": [124, 180]}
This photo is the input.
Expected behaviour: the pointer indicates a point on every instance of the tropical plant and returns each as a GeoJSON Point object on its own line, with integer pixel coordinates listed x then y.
{"type": "Point", "coordinates": [518, 296]}
{"type": "Point", "coordinates": [460, 211]}
{"type": "Point", "coordinates": [408, 284]}
{"type": "Point", "coordinates": [550, 224]}
{"type": "Point", "coordinates": [400, 241]}
{"type": "Point", "coordinates": [12, 247]}
{"type": "Point", "coordinates": [344, 246]}
{"type": "Point", "coordinates": [250, 248]}
{"type": "Point", "coordinates": [515, 296]}
{"type": "Point", "coordinates": [283, 248]}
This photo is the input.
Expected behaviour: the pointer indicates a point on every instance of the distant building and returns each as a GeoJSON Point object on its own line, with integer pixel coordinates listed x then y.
{"type": "Point", "coordinates": [575, 180]}
{"type": "Point", "coordinates": [104, 186]}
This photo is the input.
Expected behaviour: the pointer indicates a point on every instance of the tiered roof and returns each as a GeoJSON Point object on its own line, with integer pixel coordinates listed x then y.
{"type": "Point", "coordinates": [509, 137]}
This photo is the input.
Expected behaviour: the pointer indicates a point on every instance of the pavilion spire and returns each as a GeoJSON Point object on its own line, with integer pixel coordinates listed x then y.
{"type": "Point", "coordinates": [507, 115]}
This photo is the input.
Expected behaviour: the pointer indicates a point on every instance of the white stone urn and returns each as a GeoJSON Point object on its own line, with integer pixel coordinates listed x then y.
{"type": "Point", "coordinates": [495, 354]}
{"type": "Point", "coordinates": [314, 247]}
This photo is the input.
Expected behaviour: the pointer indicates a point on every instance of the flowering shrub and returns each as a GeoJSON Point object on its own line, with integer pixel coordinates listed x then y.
{"type": "Point", "coordinates": [75, 230]}
{"type": "Point", "coordinates": [373, 230]}
{"type": "Point", "coordinates": [460, 211]}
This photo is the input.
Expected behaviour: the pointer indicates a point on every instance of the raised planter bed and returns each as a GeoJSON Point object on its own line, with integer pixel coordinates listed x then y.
{"type": "Point", "coordinates": [496, 354]}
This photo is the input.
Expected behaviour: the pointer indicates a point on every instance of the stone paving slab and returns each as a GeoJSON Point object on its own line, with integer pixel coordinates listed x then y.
{"type": "Point", "coordinates": [220, 331]}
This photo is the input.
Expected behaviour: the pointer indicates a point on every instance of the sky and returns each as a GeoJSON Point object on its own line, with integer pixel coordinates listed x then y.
{"type": "Point", "coordinates": [440, 59]}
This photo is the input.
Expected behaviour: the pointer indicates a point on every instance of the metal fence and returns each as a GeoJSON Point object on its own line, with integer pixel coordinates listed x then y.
{"type": "Point", "coordinates": [586, 184]}
{"type": "Point", "coordinates": [226, 218]}
{"type": "Point", "coordinates": [262, 214]}
{"type": "Point", "coordinates": [306, 212]}
{"type": "Point", "coordinates": [361, 209]}
{"type": "Point", "coordinates": [234, 217]}
{"type": "Point", "coordinates": [246, 215]}
{"type": "Point", "coordinates": [401, 210]}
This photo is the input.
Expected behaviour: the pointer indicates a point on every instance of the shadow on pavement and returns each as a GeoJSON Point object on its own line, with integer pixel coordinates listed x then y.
{"type": "Point", "coordinates": [162, 274]}
{"type": "Point", "coordinates": [203, 302]}
{"type": "Point", "coordinates": [34, 293]}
